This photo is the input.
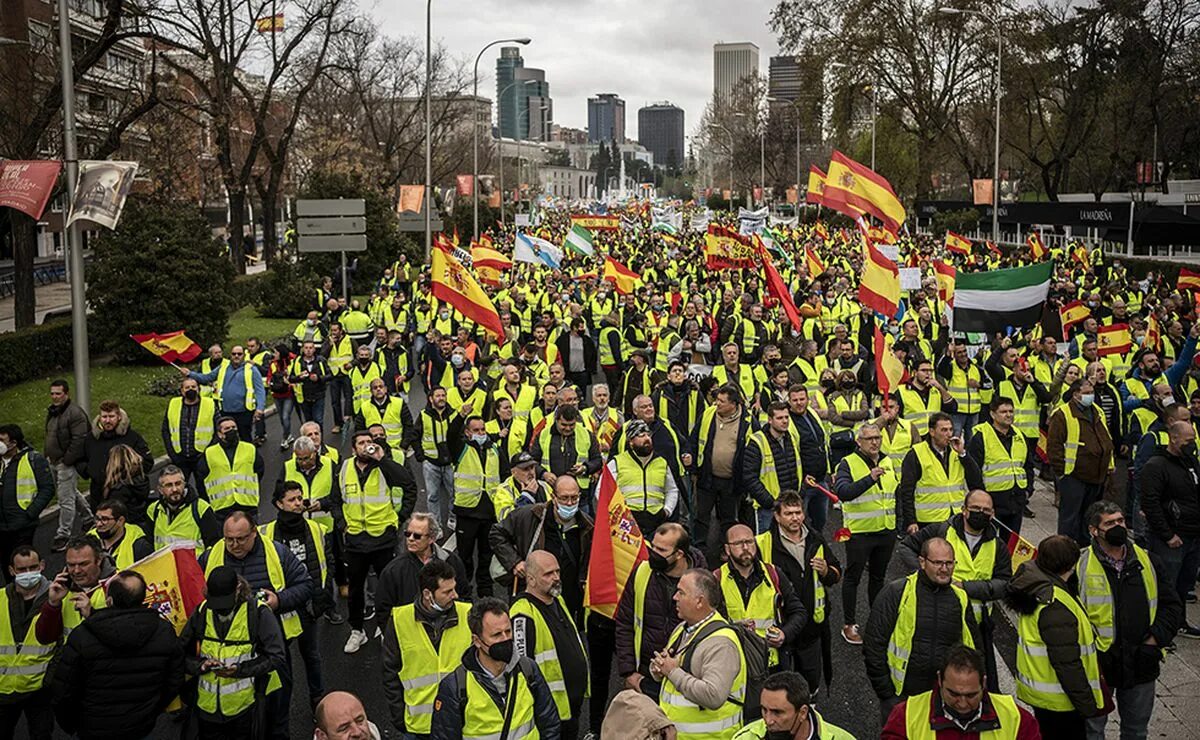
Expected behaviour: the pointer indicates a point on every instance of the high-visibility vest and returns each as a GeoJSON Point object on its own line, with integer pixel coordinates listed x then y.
{"type": "Point", "coordinates": [473, 479]}
{"type": "Point", "coordinates": [207, 390]}
{"type": "Point", "coordinates": [547, 650]}
{"type": "Point", "coordinates": [366, 508]}
{"type": "Point", "coordinates": [916, 718]}
{"type": "Point", "coordinates": [644, 488]}
{"type": "Point", "coordinates": [203, 433]}
{"type": "Point", "coordinates": [874, 510]}
{"type": "Point", "coordinates": [967, 397]}
{"type": "Point", "coordinates": [766, 542]}
{"type": "Point", "coordinates": [757, 730]}
{"type": "Point", "coordinates": [606, 429]}
{"type": "Point", "coordinates": [433, 433]}
{"type": "Point", "coordinates": [766, 471]}
{"type": "Point", "coordinates": [896, 447]}
{"type": "Point", "coordinates": [1097, 598]}
{"type": "Point", "coordinates": [811, 370]}
{"type": "Point", "coordinates": [706, 423]}
{"type": "Point", "coordinates": [607, 359]}
{"type": "Point", "coordinates": [761, 609]}
{"type": "Point", "coordinates": [318, 490]}
{"type": "Point", "coordinates": [23, 660]}
{"type": "Point", "coordinates": [183, 529]}
{"type": "Point", "coordinates": [745, 380]}
{"type": "Point", "coordinates": [505, 495]}
{"type": "Point", "coordinates": [939, 491]}
{"type": "Point", "coordinates": [751, 340]}
{"type": "Point", "coordinates": [1145, 418]}
{"type": "Point", "coordinates": [315, 533]}
{"type": "Point", "coordinates": [422, 667]}
{"type": "Point", "coordinates": [339, 354]}
{"type": "Point", "coordinates": [231, 485]}
{"type": "Point", "coordinates": [692, 400]}
{"type": "Point", "coordinates": [123, 556]}
{"type": "Point", "coordinates": [516, 440]}
{"type": "Point", "coordinates": [916, 410]}
{"type": "Point", "coordinates": [1071, 444]}
{"type": "Point", "coordinates": [1037, 681]}
{"type": "Point", "coordinates": [291, 620]}
{"type": "Point", "coordinates": [967, 567]}
{"type": "Point", "coordinates": [524, 402]}
{"type": "Point", "coordinates": [247, 379]}
{"type": "Point", "coordinates": [900, 642]}
{"type": "Point", "coordinates": [583, 445]}
{"type": "Point", "coordinates": [71, 616]}
{"type": "Point", "coordinates": [391, 419]}
{"type": "Point", "coordinates": [482, 719]}
{"type": "Point", "coordinates": [228, 697]}
{"type": "Point", "coordinates": [26, 482]}
{"type": "Point", "coordinates": [1003, 470]}
{"type": "Point", "coordinates": [1025, 407]}
{"type": "Point", "coordinates": [455, 399]}
{"type": "Point", "coordinates": [360, 383]}
{"type": "Point", "coordinates": [693, 722]}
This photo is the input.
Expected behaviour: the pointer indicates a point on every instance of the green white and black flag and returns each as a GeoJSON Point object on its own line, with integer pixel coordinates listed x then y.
{"type": "Point", "coordinates": [997, 300]}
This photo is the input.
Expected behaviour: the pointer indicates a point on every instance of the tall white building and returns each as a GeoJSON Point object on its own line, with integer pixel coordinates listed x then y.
{"type": "Point", "coordinates": [732, 63]}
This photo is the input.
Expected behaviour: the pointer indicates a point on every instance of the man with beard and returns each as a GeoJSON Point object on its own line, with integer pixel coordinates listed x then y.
{"type": "Point", "coordinates": [179, 517]}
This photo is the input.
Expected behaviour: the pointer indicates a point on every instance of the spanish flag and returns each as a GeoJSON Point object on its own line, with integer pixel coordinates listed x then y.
{"type": "Point", "coordinates": [1153, 333]}
{"type": "Point", "coordinates": [880, 287]}
{"type": "Point", "coordinates": [957, 243]}
{"type": "Point", "coordinates": [1113, 340]}
{"type": "Point", "coordinates": [1036, 247]}
{"type": "Point", "coordinates": [889, 371]}
{"type": "Point", "coordinates": [624, 279]}
{"type": "Point", "coordinates": [946, 276]}
{"type": "Point", "coordinates": [171, 347]}
{"type": "Point", "coordinates": [1188, 280]}
{"type": "Point", "coordinates": [482, 256]}
{"type": "Point", "coordinates": [778, 289]}
{"type": "Point", "coordinates": [816, 186]}
{"type": "Point", "coordinates": [1071, 314]}
{"type": "Point", "coordinates": [454, 284]}
{"type": "Point", "coordinates": [823, 232]}
{"type": "Point", "coordinates": [815, 267]}
{"type": "Point", "coordinates": [269, 24]}
{"type": "Point", "coordinates": [616, 553]}
{"type": "Point", "coordinates": [862, 189]}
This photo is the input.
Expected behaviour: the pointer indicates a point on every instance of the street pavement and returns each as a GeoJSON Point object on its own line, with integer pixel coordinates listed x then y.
{"type": "Point", "coordinates": [849, 702]}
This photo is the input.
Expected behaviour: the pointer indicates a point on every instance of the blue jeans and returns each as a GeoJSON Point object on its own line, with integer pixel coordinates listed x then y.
{"type": "Point", "coordinates": [313, 410]}
{"type": "Point", "coordinates": [764, 517]}
{"type": "Point", "coordinates": [309, 642]}
{"type": "Point", "coordinates": [1074, 498]}
{"type": "Point", "coordinates": [1179, 563]}
{"type": "Point", "coordinates": [439, 479]}
{"type": "Point", "coordinates": [816, 506]}
{"type": "Point", "coordinates": [1135, 705]}
{"type": "Point", "coordinates": [283, 409]}
{"type": "Point", "coordinates": [964, 423]}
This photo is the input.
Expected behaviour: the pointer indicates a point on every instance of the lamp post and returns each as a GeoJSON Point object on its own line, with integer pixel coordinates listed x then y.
{"type": "Point", "coordinates": [475, 131]}
{"type": "Point", "coordinates": [995, 21]}
{"type": "Point", "coordinates": [428, 124]}
{"type": "Point", "coordinates": [541, 109]}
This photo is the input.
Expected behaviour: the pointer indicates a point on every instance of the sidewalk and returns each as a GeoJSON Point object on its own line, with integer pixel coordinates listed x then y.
{"type": "Point", "coordinates": [50, 297]}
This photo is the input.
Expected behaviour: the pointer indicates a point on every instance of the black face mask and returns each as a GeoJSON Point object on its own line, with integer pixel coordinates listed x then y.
{"type": "Point", "coordinates": [783, 734]}
{"type": "Point", "coordinates": [230, 439]}
{"type": "Point", "coordinates": [1117, 536]}
{"type": "Point", "coordinates": [501, 651]}
{"type": "Point", "coordinates": [191, 395]}
{"type": "Point", "coordinates": [288, 518]}
{"type": "Point", "coordinates": [658, 562]}
{"type": "Point", "coordinates": [977, 520]}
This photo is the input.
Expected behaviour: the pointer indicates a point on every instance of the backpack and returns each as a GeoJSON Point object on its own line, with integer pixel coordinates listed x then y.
{"type": "Point", "coordinates": [754, 648]}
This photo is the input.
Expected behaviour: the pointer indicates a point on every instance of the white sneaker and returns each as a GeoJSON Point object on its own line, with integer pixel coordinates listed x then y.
{"type": "Point", "coordinates": [357, 639]}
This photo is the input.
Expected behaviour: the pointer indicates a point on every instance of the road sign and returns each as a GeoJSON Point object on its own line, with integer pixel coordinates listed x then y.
{"type": "Point", "coordinates": [333, 225]}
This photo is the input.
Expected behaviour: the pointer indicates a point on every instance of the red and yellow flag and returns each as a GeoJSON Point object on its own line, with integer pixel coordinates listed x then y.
{"type": "Point", "coordinates": [1071, 314]}
{"type": "Point", "coordinates": [1153, 333]}
{"type": "Point", "coordinates": [957, 243]}
{"type": "Point", "coordinates": [269, 24]}
{"type": "Point", "coordinates": [454, 284]}
{"type": "Point", "coordinates": [813, 262]}
{"type": "Point", "coordinates": [823, 232]}
{"type": "Point", "coordinates": [488, 256]}
{"type": "Point", "coordinates": [171, 347]}
{"type": "Point", "coordinates": [816, 186]}
{"type": "Point", "coordinates": [624, 279]}
{"type": "Point", "coordinates": [1113, 340]}
{"type": "Point", "coordinates": [1036, 247]}
{"type": "Point", "coordinates": [880, 288]}
{"type": "Point", "coordinates": [860, 188]}
{"type": "Point", "coordinates": [596, 223]}
{"type": "Point", "coordinates": [174, 583]}
{"type": "Point", "coordinates": [725, 248]}
{"type": "Point", "coordinates": [779, 290]}
{"type": "Point", "coordinates": [616, 550]}
{"type": "Point", "coordinates": [1188, 280]}
{"type": "Point", "coordinates": [1020, 550]}
{"type": "Point", "coordinates": [889, 370]}
{"type": "Point", "coordinates": [946, 276]}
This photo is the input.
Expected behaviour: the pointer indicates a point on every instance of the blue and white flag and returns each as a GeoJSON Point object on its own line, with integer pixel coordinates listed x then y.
{"type": "Point", "coordinates": [529, 248]}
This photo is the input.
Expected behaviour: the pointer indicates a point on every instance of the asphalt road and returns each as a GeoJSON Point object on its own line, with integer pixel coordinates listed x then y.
{"type": "Point", "coordinates": [850, 703]}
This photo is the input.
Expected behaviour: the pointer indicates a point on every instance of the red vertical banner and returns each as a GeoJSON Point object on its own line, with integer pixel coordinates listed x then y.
{"type": "Point", "coordinates": [26, 185]}
{"type": "Point", "coordinates": [466, 185]}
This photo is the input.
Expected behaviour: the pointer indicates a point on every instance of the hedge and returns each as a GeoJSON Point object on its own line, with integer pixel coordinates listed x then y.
{"type": "Point", "coordinates": [35, 352]}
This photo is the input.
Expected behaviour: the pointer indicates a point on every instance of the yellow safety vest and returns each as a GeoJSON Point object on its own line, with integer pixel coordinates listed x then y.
{"type": "Point", "coordinates": [123, 556]}
{"type": "Point", "coordinates": [916, 718]}
{"type": "Point", "coordinates": [391, 420]}
{"type": "Point", "coordinates": [765, 543]}
{"type": "Point", "coordinates": [1025, 408]}
{"type": "Point", "coordinates": [318, 542]}
{"type": "Point", "coordinates": [967, 397]}
{"type": "Point", "coordinates": [366, 508]}
{"type": "Point", "coordinates": [231, 485]}
{"type": "Point", "coordinates": [757, 730]}
{"type": "Point", "coordinates": [71, 616]}
{"type": "Point", "coordinates": [473, 479]}
{"type": "Point", "coordinates": [247, 378]}
{"type": "Point", "coordinates": [184, 529]}
{"type": "Point", "coordinates": [761, 609]}
{"type": "Point", "coordinates": [939, 491]}
{"type": "Point", "coordinates": [967, 567]}
{"type": "Point", "coordinates": [339, 354]}
{"type": "Point", "coordinates": [1037, 681]}
{"type": "Point", "coordinates": [875, 508]}
{"type": "Point", "coordinates": [693, 722]}
{"type": "Point", "coordinates": [422, 667]}
{"type": "Point", "coordinates": [23, 662]}
{"type": "Point", "coordinates": [318, 490]}
{"type": "Point", "coordinates": [1071, 444]}
{"type": "Point", "coordinates": [433, 433]}
{"type": "Point", "coordinates": [290, 620]}
{"type": "Point", "coordinates": [607, 358]}
{"type": "Point", "coordinates": [547, 655]}
{"type": "Point", "coordinates": [766, 472]}
{"type": "Point", "coordinates": [896, 447]}
{"type": "Point", "coordinates": [1003, 470]}
{"type": "Point", "coordinates": [360, 383]}
{"type": "Point", "coordinates": [644, 489]}
{"type": "Point", "coordinates": [583, 445]}
{"type": "Point", "coordinates": [204, 424]}
{"type": "Point", "coordinates": [228, 697]}
{"type": "Point", "coordinates": [745, 380]}
{"type": "Point", "coordinates": [916, 410]}
{"type": "Point", "coordinates": [900, 642]}
{"type": "Point", "coordinates": [26, 482]}
{"type": "Point", "coordinates": [455, 399]}
{"type": "Point", "coordinates": [524, 402]}
{"type": "Point", "coordinates": [811, 370]}
{"type": "Point", "coordinates": [482, 719]}
{"type": "Point", "coordinates": [1097, 597]}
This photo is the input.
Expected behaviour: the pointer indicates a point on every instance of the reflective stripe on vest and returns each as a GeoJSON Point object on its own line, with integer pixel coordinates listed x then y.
{"type": "Point", "coordinates": [760, 610]}
{"type": "Point", "coordinates": [1097, 598]}
{"type": "Point", "coordinates": [547, 656]}
{"type": "Point", "coordinates": [644, 489]}
{"type": "Point", "coordinates": [182, 529]}
{"type": "Point", "coordinates": [767, 472]}
{"type": "Point", "coordinates": [967, 397]}
{"type": "Point", "coordinates": [939, 491]}
{"type": "Point", "coordinates": [247, 379]}
{"type": "Point", "coordinates": [421, 667]}
{"type": "Point", "coordinates": [967, 567]}
{"type": "Point", "coordinates": [917, 411]}
{"type": "Point", "coordinates": [897, 446]}
{"type": "Point", "coordinates": [1071, 444]}
{"type": "Point", "coordinates": [228, 697]}
{"type": "Point", "coordinates": [23, 663]}
{"type": "Point", "coordinates": [693, 722]}
{"type": "Point", "coordinates": [874, 510]}
{"type": "Point", "coordinates": [482, 719]}
{"type": "Point", "coordinates": [318, 490]}
{"type": "Point", "coordinates": [1026, 408]}
{"type": "Point", "coordinates": [917, 709]}
{"type": "Point", "coordinates": [228, 485]}
{"type": "Point", "coordinates": [1003, 470]}
{"type": "Point", "coordinates": [315, 533]}
{"type": "Point", "coordinates": [391, 420]}
{"type": "Point", "coordinates": [203, 433]}
{"type": "Point", "coordinates": [1037, 681]}
{"type": "Point", "coordinates": [26, 482]}
{"type": "Point", "coordinates": [290, 620]}
{"type": "Point", "coordinates": [583, 445]}
{"type": "Point", "coordinates": [366, 508]}
{"type": "Point", "coordinates": [472, 479]}
{"type": "Point", "coordinates": [900, 642]}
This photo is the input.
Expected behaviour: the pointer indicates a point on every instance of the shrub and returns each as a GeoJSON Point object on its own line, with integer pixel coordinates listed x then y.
{"type": "Point", "coordinates": [35, 351]}
{"type": "Point", "coordinates": [161, 270]}
{"type": "Point", "coordinates": [287, 290]}
{"type": "Point", "coordinates": [959, 222]}
{"type": "Point", "coordinates": [247, 290]}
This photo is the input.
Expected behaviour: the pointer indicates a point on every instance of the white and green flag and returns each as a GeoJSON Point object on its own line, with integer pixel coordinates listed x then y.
{"type": "Point", "coordinates": [1000, 300]}
{"type": "Point", "coordinates": [579, 240]}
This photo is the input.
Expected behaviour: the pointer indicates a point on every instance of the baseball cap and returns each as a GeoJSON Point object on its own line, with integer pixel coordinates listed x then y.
{"type": "Point", "coordinates": [522, 459]}
{"type": "Point", "coordinates": [222, 588]}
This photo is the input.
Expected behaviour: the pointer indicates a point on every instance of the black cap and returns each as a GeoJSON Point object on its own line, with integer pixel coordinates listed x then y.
{"type": "Point", "coordinates": [222, 588]}
{"type": "Point", "coordinates": [523, 458]}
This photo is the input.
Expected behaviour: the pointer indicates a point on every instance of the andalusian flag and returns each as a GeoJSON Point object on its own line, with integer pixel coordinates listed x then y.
{"type": "Point", "coordinates": [172, 347]}
{"type": "Point", "coordinates": [579, 240]}
{"type": "Point", "coordinates": [957, 244]}
{"type": "Point", "coordinates": [850, 185]}
{"type": "Point", "coordinates": [454, 284]}
{"type": "Point", "coordinates": [616, 552]}
{"type": "Point", "coordinates": [269, 24]}
{"type": "Point", "coordinates": [1113, 340]}
{"type": "Point", "coordinates": [1036, 247]}
{"type": "Point", "coordinates": [1000, 300]}
{"type": "Point", "coordinates": [1188, 280]}
{"type": "Point", "coordinates": [946, 275]}
{"type": "Point", "coordinates": [1071, 314]}
{"type": "Point", "coordinates": [815, 267]}
{"type": "Point", "coordinates": [880, 287]}
{"type": "Point", "coordinates": [624, 279]}
{"type": "Point", "coordinates": [662, 227]}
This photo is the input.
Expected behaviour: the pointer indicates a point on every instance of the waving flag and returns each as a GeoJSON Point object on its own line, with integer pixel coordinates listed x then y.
{"type": "Point", "coordinates": [172, 347]}
{"type": "Point", "coordinates": [174, 583]}
{"type": "Point", "coordinates": [880, 287]}
{"type": "Point", "coordinates": [485, 256]}
{"type": "Point", "coordinates": [454, 284]}
{"type": "Point", "coordinates": [1071, 314]}
{"type": "Point", "coordinates": [579, 240]}
{"type": "Point", "coordinates": [957, 243]}
{"type": "Point", "coordinates": [1153, 333]}
{"type": "Point", "coordinates": [857, 186]}
{"type": "Point", "coordinates": [822, 231]}
{"type": "Point", "coordinates": [816, 186]}
{"type": "Point", "coordinates": [624, 279]}
{"type": "Point", "coordinates": [537, 251]}
{"type": "Point", "coordinates": [616, 551]}
{"type": "Point", "coordinates": [889, 371]}
{"type": "Point", "coordinates": [1036, 247]}
{"type": "Point", "coordinates": [727, 249]}
{"type": "Point", "coordinates": [999, 300]}
{"type": "Point", "coordinates": [1113, 340]}
{"type": "Point", "coordinates": [946, 277]}
{"type": "Point", "coordinates": [814, 264]}
{"type": "Point", "coordinates": [778, 289]}
{"type": "Point", "coordinates": [1188, 280]}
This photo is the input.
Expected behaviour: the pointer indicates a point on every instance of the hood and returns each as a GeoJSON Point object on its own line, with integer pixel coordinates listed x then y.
{"type": "Point", "coordinates": [120, 431]}
{"type": "Point", "coordinates": [633, 716]}
{"type": "Point", "coordinates": [1030, 588]}
{"type": "Point", "coordinates": [124, 630]}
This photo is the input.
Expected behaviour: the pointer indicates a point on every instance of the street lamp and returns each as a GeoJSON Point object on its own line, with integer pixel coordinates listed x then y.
{"type": "Point", "coordinates": [874, 106]}
{"type": "Point", "coordinates": [500, 144]}
{"type": "Point", "coordinates": [541, 109]}
{"type": "Point", "coordinates": [475, 130]}
{"type": "Point", "coordinates": [995, 21]}
{"type": "Point", "coordinates": [428, 124]}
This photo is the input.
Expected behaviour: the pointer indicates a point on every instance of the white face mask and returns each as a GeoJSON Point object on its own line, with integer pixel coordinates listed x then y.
{"type": "Point", "coordinates": [3, 449]}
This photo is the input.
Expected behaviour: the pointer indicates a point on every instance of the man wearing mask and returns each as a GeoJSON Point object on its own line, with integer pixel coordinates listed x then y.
{"type": "Point", "coordinates": [228, 475]}
{"type": "Point", "coordinates": [772, 464]}
{"type": "Point", "coordinates": [424, 640]}
{"type": "Point", "coordinates": [26, 487]}
{"type": "Point", "coordinates": [788, 714]}
{"type": "Point", "coordinates": [646, 615]}
{"type": "Point", "coordinates": [1002, 454]}
{"type": "Point", "coordinates": [644, 477]}
{"type": "Point", "coordinates": [1135, 611]}
{"type": "Point", "coordinates": [544, 631]}
{"type": "Point", "coordinates": [179, 516]}
{"type": "Point", "coordinates": [309, 330]}
{"type": "Point", "coordinates": [361, 374]}
{"type": "Point", "coordinates": [309, 373]}
{"type": "Point", "coordinates": [1171, 501]}
{"type": "Point", "coordinates": [339, 351]}
{"type": "Point", "coordinates": [495, 682]}
{"type": "Point", "coordinates": [220, 632]}
{"type": "Point", "coordinates": [22, 683]}
{"type": "Point", "coordinates": [124, 543]}
{"type": "Point", "coordinates": [476, 478]}
{"type": "Point", "coordinates": [1081, 455]}
{"type": "Point", "coordinates": [392, 412]}
{"type": "Point", "coordinates": [982, 565]}
{"type": "Point", "coordinates": [240, 390]}
{"type": "Point", "coordinates": [188, 426]}
{"type": "Point", "coordinates": [66, 435]}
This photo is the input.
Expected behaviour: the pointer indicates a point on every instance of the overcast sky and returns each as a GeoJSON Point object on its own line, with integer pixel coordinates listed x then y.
{"type": "Point", "coordinates": [646, 51]}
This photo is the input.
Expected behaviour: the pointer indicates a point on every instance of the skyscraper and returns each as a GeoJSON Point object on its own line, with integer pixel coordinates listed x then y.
{"type": "Point", "coordinates": [660, 129]}
{"type": "Point", "coordinates": [732, 63]}
{"type": "Point", "coordinates": [784, 78]}
{"type": "Point", "coordinates": [507, 94]}
{"type": "Point", "coordinates": [606, 118]}
{"type": "Point", "coordinates": [525, 109]}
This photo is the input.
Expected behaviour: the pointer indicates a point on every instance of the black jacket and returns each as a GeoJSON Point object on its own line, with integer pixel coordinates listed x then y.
{"type": "Point", "coordinates": [97, 446]}
{"type": "Point", "coordinates": [66, 433]}
{"type": "Point", "coordinates": [991, 589]}
{"type": "Point", "coordinates": [814, 447]}
{"type": "Point", "coordinates": [800, 574]}
{"type": "Point", "coordinates": [938, 629]}
{"type": "Point", "coordinates": [787, 473]}
{"type": "Point", "coordinates": [269, 647]}
{"type": "Point", "coordinates": [12, 516]}
{"type": "Point", "coordinates": [589, 352]}
{"type": "Point", "coordinates": [512, 539]}
{"type": "Point", "coordinates": [117, 672]}
{"type": "Point", "coordinates": [910, 473]}
{"type": "Point", "coordinates": [659, 618]}
{"type": "Point", "coordinates": [448, 719]}
{"type": "Point", "coordinates": [398, 584]}
{"type": "Point", "coordinates": [1171, 496]}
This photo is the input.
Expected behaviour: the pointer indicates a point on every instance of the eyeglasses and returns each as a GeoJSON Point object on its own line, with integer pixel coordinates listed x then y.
{"type": "Point", "coordinates": [871, 439]}
{"type": "Point", "coordinates": [941, 563]}
{"type": "Point", "coordinates": [415, 535]}
{"type": "Point", "coordinates": [741, 543]}
{"type": "Point", "coordinates": [105, 519]}
{"type": "Point", "coordinates": [567, 501]}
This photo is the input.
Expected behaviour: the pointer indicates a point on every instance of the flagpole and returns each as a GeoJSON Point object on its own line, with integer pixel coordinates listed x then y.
{"type": "Point", "coordinates": [73, 243]}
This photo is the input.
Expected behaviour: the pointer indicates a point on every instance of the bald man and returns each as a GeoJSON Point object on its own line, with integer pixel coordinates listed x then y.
{"type": "Point", "coordinates": [541, 623]}
{"type": "Point", "coordinates": [341, 716]}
